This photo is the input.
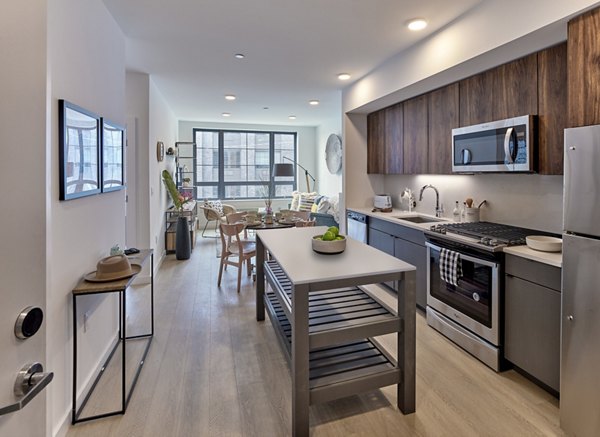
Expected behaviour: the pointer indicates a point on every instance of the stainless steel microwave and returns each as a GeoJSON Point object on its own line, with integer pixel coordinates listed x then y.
{"type": "Point", "coordinates": [498, 146]}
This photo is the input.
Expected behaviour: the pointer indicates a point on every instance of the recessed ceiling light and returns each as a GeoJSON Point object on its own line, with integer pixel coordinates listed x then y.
{"type": "Point", "coordinates": [343, 76]}
{"type": "Point", "coordinates": [226, 114]}
{"type": "Point", "coordinates": [292, 117]}
{"type": "Point", "coordinates": [230, 97]}
{"type": "Point", "coordinates": [417, 24]}
{"type": "Point", "coordinates": [240, 56]}
{"type": "Point", "coordinates": [313, 102]}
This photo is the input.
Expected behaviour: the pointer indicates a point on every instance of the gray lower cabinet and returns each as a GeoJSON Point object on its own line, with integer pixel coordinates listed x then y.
{"type": "Point", "coordinates": [382, 241]}
{"type": "Point", "coordinates": [417, 256]}
{"type": "Point", "coordinates": [532, 318]}
{"type": "Point", "coordinates": [404, 243]}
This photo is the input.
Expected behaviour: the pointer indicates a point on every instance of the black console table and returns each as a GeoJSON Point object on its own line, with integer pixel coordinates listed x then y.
{"type": "Point", "coordinates": [85, 288]}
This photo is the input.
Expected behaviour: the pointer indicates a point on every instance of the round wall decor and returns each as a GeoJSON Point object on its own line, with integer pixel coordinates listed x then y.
{"type": "Point", "coordinates": [333, 153]}
{"type": "Point", "coordinates": [160, 151]}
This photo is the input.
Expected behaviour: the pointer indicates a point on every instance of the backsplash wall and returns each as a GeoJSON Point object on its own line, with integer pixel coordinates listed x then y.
{"type": "Point", "coordinates": [531, 201]}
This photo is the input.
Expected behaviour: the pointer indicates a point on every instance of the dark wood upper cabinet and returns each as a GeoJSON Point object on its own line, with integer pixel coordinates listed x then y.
{"type": "Point", "coordinates": [584, 69]}
{"type": "Point", "coordinates": [384, 141]}
{"type": "Point", "coordinates": [394, 128]}
{"type": "Point", "coordinates": [509, 90]}
{"type": "Point", "coordinates": [476, 99]}
{"type": "Point", "coordinates": [416, 135]}
{"type": "Point", "coordinates": [375, 142]}
{"type": "Point", "coordinates": [443, 117]}
{"type": "Point", "coordinates": [515, 88]}
{"type": "Point", "coordinates": [552, 101]}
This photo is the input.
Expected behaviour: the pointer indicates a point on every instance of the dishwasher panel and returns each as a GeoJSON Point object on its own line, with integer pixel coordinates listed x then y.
{"type": "Point", "coordinates": [357, 226]}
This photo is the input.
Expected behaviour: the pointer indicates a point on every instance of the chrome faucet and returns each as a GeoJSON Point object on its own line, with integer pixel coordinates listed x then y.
{"type": "Point", "coordinates": [438, 210]}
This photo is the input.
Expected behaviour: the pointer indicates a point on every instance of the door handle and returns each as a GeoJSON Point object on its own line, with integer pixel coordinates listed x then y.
{"type": "Point", "coordinates": [507, 153]}
{"type": "Point", "coordinates": [30, 381]}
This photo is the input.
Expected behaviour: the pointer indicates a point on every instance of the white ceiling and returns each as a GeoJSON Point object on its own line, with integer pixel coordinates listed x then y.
{"type": "Point", "coordinates": [294, 50]}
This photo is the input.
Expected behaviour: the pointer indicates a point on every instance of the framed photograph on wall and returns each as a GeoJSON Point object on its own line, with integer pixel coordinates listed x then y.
{"type": "Point", "coordinates": [79, 151]}
{"type": "Point", "coordinates": [113, 154]}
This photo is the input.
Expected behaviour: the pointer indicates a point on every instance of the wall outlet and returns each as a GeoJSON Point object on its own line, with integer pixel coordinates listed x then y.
{"type": "Point", "coordinates": [86, 316]}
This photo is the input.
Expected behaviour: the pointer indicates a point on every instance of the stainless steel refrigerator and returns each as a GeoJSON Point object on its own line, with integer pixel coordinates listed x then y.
{"type": "Point", "coordinates": [580, 345]}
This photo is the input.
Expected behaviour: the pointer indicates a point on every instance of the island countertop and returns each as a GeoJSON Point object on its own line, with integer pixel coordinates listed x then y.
{"type": "Point", "coordinates": [293, 249]}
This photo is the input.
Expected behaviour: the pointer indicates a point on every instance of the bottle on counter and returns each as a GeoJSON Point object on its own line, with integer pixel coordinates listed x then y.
{"type": "Point", "coordinates": [456, 213]}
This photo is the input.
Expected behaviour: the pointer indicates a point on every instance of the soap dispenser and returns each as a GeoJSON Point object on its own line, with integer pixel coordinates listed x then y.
{"type": "Point", "coordinates": [456, 213]}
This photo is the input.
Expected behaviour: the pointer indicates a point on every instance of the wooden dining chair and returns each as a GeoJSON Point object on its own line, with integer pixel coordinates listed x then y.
{"type": "Point", "coordinates": [233, 246]}
{"type": "Point", "coordinates": [305, 223]}
{"type": "Point", "coordinates": [238, 217]}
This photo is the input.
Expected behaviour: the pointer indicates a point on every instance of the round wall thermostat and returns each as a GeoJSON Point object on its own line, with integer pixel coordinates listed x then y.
{"type": "Point", "coordinates": [28, 322]}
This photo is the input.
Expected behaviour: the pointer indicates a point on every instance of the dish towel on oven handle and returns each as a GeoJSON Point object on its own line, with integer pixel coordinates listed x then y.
{"type": "Point", "coordinates": [450, 266]}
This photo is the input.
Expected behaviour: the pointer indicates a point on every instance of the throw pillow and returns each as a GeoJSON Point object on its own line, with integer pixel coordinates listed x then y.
{"type": "Point", "coordinates": [214, 204]}
{"type": "Point", "coordinates": [324, 206]}
{"type": "Point", "coordinates": [306, 201]}
{"type": "Point", "coordinates": [295, 201]}
{"type": "Point", "coordinates": [315, 207]}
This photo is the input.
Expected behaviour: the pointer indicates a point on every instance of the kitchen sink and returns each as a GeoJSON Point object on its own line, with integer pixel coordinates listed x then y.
{"type": "Point", "coordinates": [420, 219]}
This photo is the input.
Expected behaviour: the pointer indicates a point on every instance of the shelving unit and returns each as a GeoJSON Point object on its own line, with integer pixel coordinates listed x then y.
{"type": "Point", "coordinates": [171, 215]}
{"type": "Point", "coordinates": [185, 164]}
{"type": "Point", "coordinates": [326, 320]}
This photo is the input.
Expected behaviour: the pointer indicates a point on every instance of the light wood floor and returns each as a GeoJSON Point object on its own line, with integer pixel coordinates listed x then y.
{"type": "Point", "coordinates": [212, 370]}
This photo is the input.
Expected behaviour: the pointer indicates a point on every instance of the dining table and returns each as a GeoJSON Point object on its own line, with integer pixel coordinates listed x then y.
{"type": "Point", "coordinates": [262, 225]}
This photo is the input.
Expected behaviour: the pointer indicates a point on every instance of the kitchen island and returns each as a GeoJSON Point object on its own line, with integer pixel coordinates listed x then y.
{"type": "Point", "coordinates": [326, 320]}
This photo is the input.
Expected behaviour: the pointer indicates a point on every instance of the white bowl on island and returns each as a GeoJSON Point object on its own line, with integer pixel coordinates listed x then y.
{"type": "Point", "coordinates": [328, 247]}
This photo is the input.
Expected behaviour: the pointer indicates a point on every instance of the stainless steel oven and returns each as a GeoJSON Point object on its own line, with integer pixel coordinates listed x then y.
{"type": "Point", "coordinates": [467, 307]}
{"type": "Point", "coordinates": [468, 313]}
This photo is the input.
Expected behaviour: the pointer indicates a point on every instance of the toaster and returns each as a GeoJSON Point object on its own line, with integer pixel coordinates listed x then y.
{"type": "Point", "coordinates": [382, 201]}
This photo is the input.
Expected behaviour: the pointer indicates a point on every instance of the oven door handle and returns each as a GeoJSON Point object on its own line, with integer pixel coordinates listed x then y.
{"type": "Point", "coordinates": [465, 257]}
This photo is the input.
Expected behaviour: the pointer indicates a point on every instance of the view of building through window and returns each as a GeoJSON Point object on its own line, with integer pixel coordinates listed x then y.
{"type": "Point", "coordinates": [238, 164]}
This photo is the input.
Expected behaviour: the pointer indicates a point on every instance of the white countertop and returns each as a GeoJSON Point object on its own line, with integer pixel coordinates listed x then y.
{"type": "Point", "coordinates": [391, 217]}
{"type": "Point", "coordinates": [551, 258]}
{"type": "Point", "coordinates": [292, 248]}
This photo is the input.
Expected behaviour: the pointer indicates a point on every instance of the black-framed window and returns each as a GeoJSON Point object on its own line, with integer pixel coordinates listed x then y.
{"type": "Point", "coordinates": [237, 164]}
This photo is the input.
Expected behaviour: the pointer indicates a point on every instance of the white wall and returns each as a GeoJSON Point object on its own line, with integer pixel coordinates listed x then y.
{"type": "Point", "coordinates": [23, 168]}
{"type": "Point", "coordinates": [532, 201]}
{"type": "Point", "coordinates": [327, 183]}
{"type": "Point", "coordinates": [162, 127]}
{"type": "Point", "coordinates": [137, 92]}
{"type": "Point", "coordinates": [306, 148]}
{"type": "Point", "coordinates": [86, 66]}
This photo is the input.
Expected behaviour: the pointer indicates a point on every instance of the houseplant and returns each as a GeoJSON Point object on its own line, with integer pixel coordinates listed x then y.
{"type": "Point", "coordinates": [183, 244]}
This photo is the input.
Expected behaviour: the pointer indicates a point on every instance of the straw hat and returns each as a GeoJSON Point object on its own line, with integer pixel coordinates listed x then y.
{"type": "Point", "coordinates": [112, 268]}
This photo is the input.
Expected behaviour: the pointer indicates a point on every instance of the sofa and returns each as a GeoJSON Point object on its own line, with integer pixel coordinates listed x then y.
{"type": "Point", "coordinates": [323, 209]}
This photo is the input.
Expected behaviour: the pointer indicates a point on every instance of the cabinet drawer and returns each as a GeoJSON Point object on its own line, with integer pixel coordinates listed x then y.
{"type": "Point", "coordinates": [532, 329]}
{"type": "Point", "coordinates": [414, 235]}
{"type": "Point", "coordinates": [382, 241]}
{"type": "Point", "coordinates": [540, 273]}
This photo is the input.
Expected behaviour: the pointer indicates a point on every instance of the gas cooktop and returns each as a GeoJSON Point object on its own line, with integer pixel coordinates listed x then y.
{"type": "Point", "coordinates": [490, 236]}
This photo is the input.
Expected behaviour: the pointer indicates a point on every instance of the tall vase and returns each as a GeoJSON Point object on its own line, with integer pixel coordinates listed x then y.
{"type": "Point", "coordinates": [183, 244]}
{"type": "Point", "coordinates": [268, 209]}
